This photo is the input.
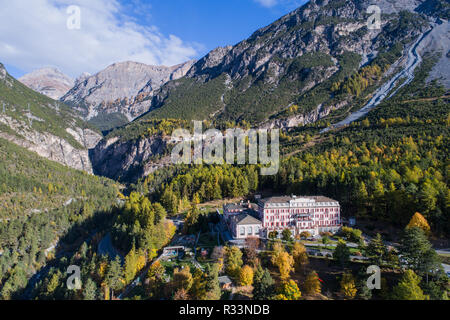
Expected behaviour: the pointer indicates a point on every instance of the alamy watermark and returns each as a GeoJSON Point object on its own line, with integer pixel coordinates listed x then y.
{"type": "Point", "coordinates": [209, 147]}
{"type": "Point", "coordinates": [74, 19]}
{"type": "Point", "coordinates": [374, 21]}
{"type": "Point", "coordinates": [374, 281]}
{"type": "Point", "coordinates": [74, 280]}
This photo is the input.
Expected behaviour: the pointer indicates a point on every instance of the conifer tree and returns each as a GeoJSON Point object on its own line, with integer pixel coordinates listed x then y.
{"type": "Point", "coordinates": [408, 288]}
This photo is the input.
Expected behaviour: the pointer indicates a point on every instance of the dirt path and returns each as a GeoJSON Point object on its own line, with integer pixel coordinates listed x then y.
{"type": "Point", "coordinates": [220, 203]}
{"type": "Point", "coordinates": [315, 140]}
{"type": "Point", "coordinates": [426, 99]}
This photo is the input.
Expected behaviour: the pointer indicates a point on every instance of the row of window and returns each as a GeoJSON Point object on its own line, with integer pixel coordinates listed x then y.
{"type": "Point", "coordinates": [303, 210]}
{"type": "Point", "coordinates": [291, 217]}
{"type": "Point", "coordinates": [249, 231]}
{"type": "Point", "coordinates": [301, 225]}
{"type": "Point", "coordinates": [311, 203]}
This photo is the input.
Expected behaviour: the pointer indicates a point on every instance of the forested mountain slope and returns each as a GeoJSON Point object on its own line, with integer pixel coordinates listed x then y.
{"type": "Point", "coordinates": [318, 62]}
{"type": "Point", "coordinates": [45, 126]}
{"type": "Point", "coordinates": [294, 66]}
{"type": "Point", "coordinates": [385, 167]}
{"type": "Point", "coordinates": [42, 202]}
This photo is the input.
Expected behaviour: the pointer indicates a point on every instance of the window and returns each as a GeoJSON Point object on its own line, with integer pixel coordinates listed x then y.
{"type": "Point", "coordinates": [242, 231]}
{"type": "Point", "coordinates": [250, 231]}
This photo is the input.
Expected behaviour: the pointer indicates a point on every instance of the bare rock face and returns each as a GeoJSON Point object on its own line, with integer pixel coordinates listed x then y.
{"type": "Point", "coordinates": [291, 37]}
{"type": "Point", "coordinates": [128, 160]}
{"type": "Point", "coordinates": [119, 87]}
{"type": "Point", "coordinates": [48, 81]}
{"type": "Point", "coordinates": [55, 132]}
{"type": "Point", "coordinates": [86, 137]}
{"type": "Point", "coordinates": [52, 147]}
{"type": "Point", "coordinates": [438, 42]}
{"type": "Point", "coordinates": [303, 47]}
{"type": "Point", "coordinates": [81, 78]}
{"type": "Point", "coordinates": [2, 72]}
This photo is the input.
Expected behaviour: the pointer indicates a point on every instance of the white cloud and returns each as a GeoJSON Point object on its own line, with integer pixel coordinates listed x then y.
{"type": "Point", "coordinates": [290, 4]}
{"type": "Point", "coordinates": [267, 3]}
{"type": "Point", "coordinates": [34, 34]}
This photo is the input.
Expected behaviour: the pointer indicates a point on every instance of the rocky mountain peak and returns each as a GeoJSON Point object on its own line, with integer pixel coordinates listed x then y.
{"type": "Point", "coordinates": [119, 86]}
{"type": "Point", "coordinates": [81, 78]}
{"type": "Point", "coordinates": [48, 81]}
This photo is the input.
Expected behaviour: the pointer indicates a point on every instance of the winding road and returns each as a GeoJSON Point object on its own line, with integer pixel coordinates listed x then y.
{"type": "Point", "coordinates": [413, 61]}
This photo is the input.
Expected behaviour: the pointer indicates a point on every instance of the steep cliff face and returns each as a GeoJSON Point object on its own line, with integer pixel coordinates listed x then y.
{"type": "Point", "coordinates": [53, 147]}
{"type": "Point", "coordinates": [44, 126]}
{"type": "Point", "coordinates": [48, 81]}
{"type": "Point", "coordinates": [438, 43]}
{"type": "Point", "coordinates": [129, 160]}
{"type": "Point", "coordinates": [2, 72]}
{"type": "Point", "coordinates": [120, 88]}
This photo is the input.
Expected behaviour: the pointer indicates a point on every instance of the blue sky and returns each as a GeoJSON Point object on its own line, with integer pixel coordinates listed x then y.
{"type": "Point", "coordinates": [213, 23]}
{"type": "Point", "coordinates": [149, 31]}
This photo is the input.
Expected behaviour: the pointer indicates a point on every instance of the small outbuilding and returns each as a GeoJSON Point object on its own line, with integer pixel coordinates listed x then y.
{"type": "Point", "coordinates": [225, 283]}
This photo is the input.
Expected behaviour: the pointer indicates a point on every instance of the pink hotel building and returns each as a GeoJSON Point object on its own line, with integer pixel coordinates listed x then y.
{"type": "Point", "coordinates": [299, 214]}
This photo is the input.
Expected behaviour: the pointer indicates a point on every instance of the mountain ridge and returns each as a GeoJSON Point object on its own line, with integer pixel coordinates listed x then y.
{"type": "Point", "coordinates": [270, 61]}
{"type": "Point", "coordinates": [48, 81]}
{"type": "Point", "coordinates": [44, 126]}
{"type": "Point", "coordinates": [327, 63]}
{"type": "Point", "coordinates": [114, 88]}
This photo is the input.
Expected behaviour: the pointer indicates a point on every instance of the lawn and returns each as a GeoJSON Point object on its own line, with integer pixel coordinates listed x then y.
{"type": "Point", "coordinates": [170, 266]}
{"type": "Point", "coordinates": [207, 241]}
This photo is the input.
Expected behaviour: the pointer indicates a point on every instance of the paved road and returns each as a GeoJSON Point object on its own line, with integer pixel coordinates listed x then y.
{"type": "Point", "coordinates": [446, 269]}
{"type": "Point", "coordinates": [413, 61]}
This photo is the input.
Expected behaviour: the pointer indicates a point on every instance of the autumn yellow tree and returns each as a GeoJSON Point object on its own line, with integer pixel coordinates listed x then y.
{"type": "Point", "coordinates": [102, 269]}
{"type": "Point", "coordinates": [419, 221]}
{"type": "Point", "coordinates": [233, 261]}
{"type": "Point", "coordinates": [246, 276]}
{"type": "Point", "coordinates": [106, 291]}
{"type": "Point", "coordinates": [130, 269]}
{"type": "Point", "coordinates": [300, 256]}
{"type": "Point", "coordinates": [288, 290]}
{"type": "Point", "coordinates": [182, 279]}
{"type": "Point", "coordinates": [285, 264]}
{"type": "Point", "coordinates": [282, 260]}
{"type": "Point", "coordinates": [348, 287]}
{"type": "Point", "coordinates": [277, 249]}
{"type": "Point", "coordinates": [312, 283]}
{"type": "Point", "coordinates": [141, 260]}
